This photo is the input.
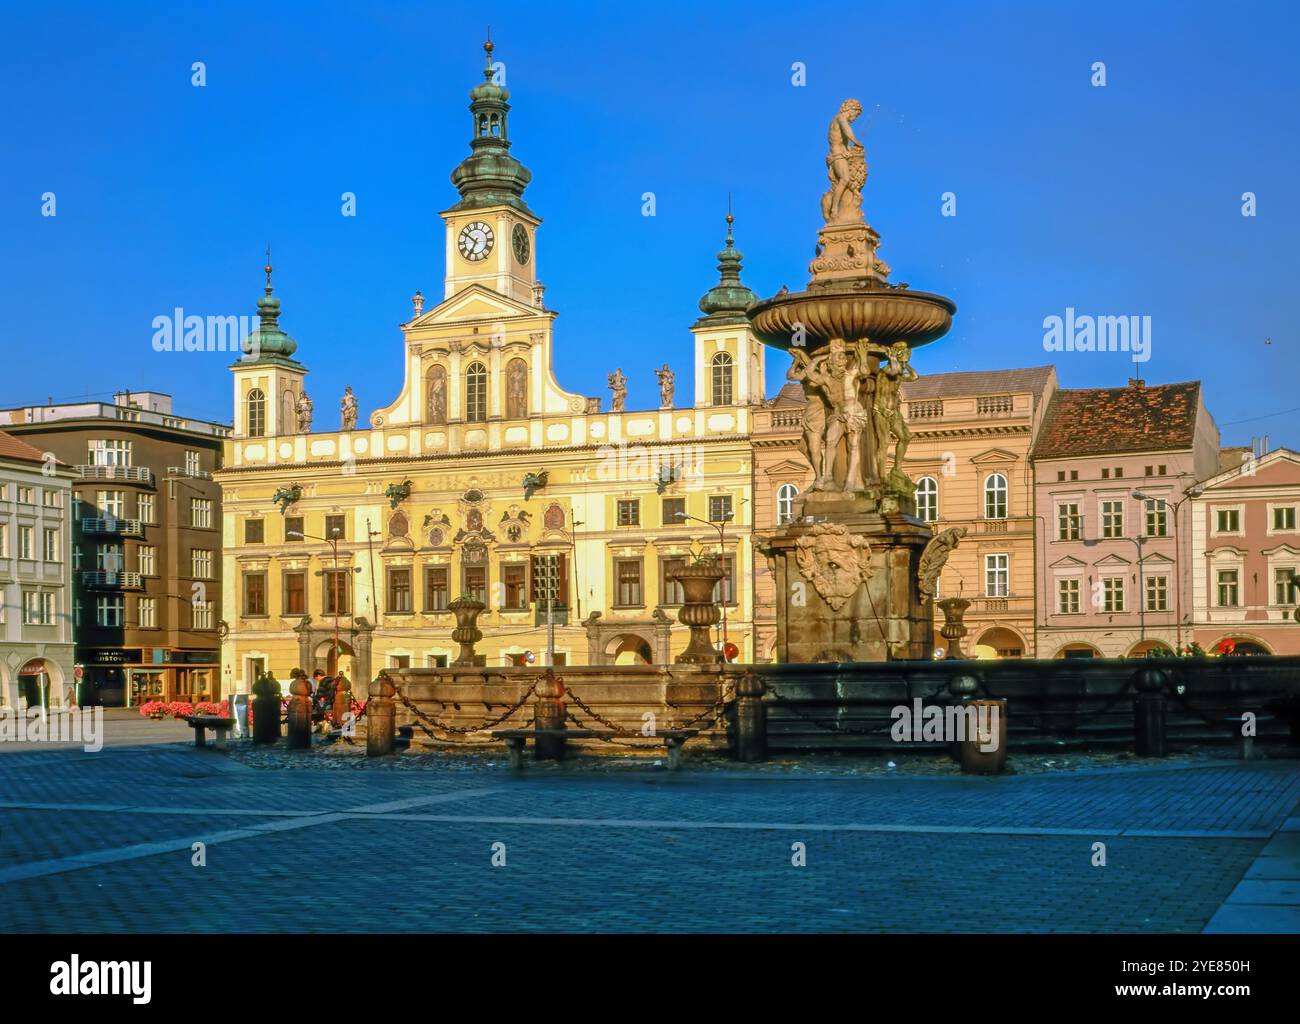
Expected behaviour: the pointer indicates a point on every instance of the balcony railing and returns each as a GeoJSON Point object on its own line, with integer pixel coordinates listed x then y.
{"type": "Point", "coordinates": [137, 474]}
{"type": "Point", "coordinates": [197, 474]}
{"type": "Point", "coordinates": [787, 419]}
{"type": "Point", "coordinates": [994, 405]}
{"type": "Point", "coordinates": [112, 580]}
{"type": "Point", "coordinates": [110, 524]}
{"type": "Point", "coordinates": [931, 410]}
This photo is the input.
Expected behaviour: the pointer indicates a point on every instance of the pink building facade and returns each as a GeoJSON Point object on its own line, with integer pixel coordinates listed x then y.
{"type": "Point", "coordinates": [1112, 471]}
{"type": "Point", "coordinates": [1246, 552]}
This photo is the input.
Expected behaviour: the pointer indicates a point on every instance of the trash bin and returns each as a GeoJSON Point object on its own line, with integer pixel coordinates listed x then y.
{"type": "Point", "coordinates": [984, 749]}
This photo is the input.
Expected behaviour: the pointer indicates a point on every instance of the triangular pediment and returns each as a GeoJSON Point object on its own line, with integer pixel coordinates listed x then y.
{"type": "Point", "coordinates": [994, 455]}
{"type": "Point", "coordinates": [1113, 559]}
{"type": "Point", "coordinates": [473, 303]}
{"type": "Point", "coordinates": [787, 467]}
{"type": "Point", "coordinates": [1068, 562]}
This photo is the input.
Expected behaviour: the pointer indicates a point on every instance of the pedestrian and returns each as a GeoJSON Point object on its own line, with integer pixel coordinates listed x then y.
{"type": "Point", "coordinates": [316, 678]}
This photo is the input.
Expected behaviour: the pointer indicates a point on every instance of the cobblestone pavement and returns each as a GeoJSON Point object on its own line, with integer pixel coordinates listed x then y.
{"type": "Point", "coordinates": [104, 842]}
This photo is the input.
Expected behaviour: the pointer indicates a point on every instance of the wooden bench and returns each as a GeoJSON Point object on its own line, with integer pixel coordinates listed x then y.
{"type": "Point", "coordinates": [516, 739]}
{"type": "Point", "coordinates": [219, 726]}
{"type": "Point", "coordinates": [1245, 744]}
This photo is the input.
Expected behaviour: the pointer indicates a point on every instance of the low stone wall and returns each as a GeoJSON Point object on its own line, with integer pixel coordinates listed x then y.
{"type": "Point", "coordinates": [848, 706]}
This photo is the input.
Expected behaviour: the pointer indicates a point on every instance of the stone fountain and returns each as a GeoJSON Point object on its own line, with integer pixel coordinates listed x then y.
{"type": "Point", "coordinates": [847, 566]}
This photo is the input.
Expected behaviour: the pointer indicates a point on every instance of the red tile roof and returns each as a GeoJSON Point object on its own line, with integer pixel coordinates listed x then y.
{"type": "Point", "coordinates": [1099, 421]}
{"type": "Point", "coordinates": [13, 448]}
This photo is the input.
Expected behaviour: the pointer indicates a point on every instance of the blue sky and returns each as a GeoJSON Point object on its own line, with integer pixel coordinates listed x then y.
{"type": "Point", "coordinates": [1123, 200]}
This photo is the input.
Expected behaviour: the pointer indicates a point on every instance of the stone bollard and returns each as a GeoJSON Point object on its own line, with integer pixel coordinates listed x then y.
{"type": "Point", "coordinates": [381, 715]}
{"type": "Point", "coordinates": [266, 709]}
{"type": "Point", "coordinates": [1149, 712]}
{"type": "Point", "coordinates": [751, 719]}
{"type": "Point", "coordinates": [549, 713]}
{"type": "Point", "coordinates": [299, 711]}
{"type": "Point", "coordinates": [342, 701]}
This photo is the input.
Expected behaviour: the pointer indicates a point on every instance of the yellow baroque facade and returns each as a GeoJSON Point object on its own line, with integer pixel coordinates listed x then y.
{"type": "Point", "coordinates": [485, 477]}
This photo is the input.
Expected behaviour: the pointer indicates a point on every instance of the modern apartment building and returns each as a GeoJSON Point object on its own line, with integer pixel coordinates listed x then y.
{"type": "Point", "coordinates": [1114, 472]}
{"type": "Point", "coordinates": [1245, 554]}
{"type": "Point", "coordinates": [146, 543]}
{"type": "Point", "coordinates": [36, 654]}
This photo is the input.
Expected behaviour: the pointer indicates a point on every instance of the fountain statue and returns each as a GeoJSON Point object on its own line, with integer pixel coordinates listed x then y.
{"type": "Point", "coordinates": [847, 564]}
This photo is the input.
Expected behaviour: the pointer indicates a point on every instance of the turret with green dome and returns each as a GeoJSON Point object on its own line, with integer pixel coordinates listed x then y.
{"type": "Point", "coordinates": [490, 176]}
{"type": "Point", "coordinates": [726, 301]}
{"type": "Point", "coordinates": [269, 344]}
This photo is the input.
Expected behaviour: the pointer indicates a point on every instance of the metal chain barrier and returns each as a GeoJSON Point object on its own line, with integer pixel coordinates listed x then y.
{"type": "Point", "coordinates": [604, 739]}
{"type": "Point", "coordinates": [570, 695]}
{"type": "Point", "coordinates": [423, 717]}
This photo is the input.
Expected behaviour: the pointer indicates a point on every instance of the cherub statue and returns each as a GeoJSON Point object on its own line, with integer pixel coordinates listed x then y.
{"type": "Point", "coordinates": [846, 166]}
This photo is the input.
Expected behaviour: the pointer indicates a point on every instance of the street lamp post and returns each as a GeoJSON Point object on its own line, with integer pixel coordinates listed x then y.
{"type": "Point", "coordinates": [333, 542]}
{"type": "Point", "coordinates": [1195, 491]}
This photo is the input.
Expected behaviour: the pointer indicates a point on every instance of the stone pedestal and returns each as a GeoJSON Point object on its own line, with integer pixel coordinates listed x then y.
{"type": "Point", "coordinates": [846, 589]}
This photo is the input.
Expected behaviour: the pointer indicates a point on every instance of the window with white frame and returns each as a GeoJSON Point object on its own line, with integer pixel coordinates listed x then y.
{"type": "Point", "coordinates": [201, 512]}
{"type": "Point", "coordinates": [108, 453]}
{"type": "Point", "coordinates": [1112, 594]}
{"type": "Point", "coordinates": [927, 499]}
{"type": "Point", "coordinates": [1157, 513]}
{"type": "Point", "coordinates": [38, 608]}
{"type": "Point", "coordinates": [147, 559]}
{"type": "Point", "coordinates": [1227, 520]}
{"type": "Point", "coordinates": [144, 506]}
{"type": "Point", "coordinates": [52, 551]}
{"type": "Point", "coordinates": [997, 575]}
{"type": "Point", "coordinates": [192, 462]}
{"type": "Point", "coordinates": [147, 612]}
{"type": "Point", "coordinates": [200, 563]}
{"type": "Point", "coordinates": [4, 540]}
{"type": "Point", "coordinates": [27, 542]}
{"type": "Point", "coordinates": [1284, 579]}
{"type": "Point", "coordinates": [111, 504]}
{"type": "Point", "coordinates": [52, 498]}
{"type": "Point", "coordinates": [201, 615]}
{"type": "Point", "coordinates": [26, 495]}
{"type": "Point", "coordinates": [1229, 582]}
{"type": "Point", "coordinates": [1069, 523]}
{"type": "Point", "coordinates": [108, 610]}
{"type": "Point", "coordinates": [1067, 596]}
{"type": "Point", "coordinates": [995, 496]}
{"type": "Point", "coordinates": [1112, 519]}
{"type": "Point", "coordinates": [1283, 518]}
{"type": "Point", "coordinates": [1157, 588]}
{"type": "Point", "coordinates": [785, 495]}
{"type": "Point", "coordinates": [108, 558]}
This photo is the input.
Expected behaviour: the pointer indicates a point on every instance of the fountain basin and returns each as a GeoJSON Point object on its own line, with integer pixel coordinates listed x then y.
{"type": "Point", "coordinates": [883, 315]}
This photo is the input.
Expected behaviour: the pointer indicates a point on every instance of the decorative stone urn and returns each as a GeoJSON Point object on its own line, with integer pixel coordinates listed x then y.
{"type": "Point", "coordinates": [954, 629]}
{"type": "Point", "coordinates": [467, 633]}
{"type": "Point", "coordinates": [699, 611]}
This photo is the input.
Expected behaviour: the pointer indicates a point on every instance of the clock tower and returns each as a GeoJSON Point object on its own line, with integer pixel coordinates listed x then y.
{"type": "Point", "coordinates": [491, 231]}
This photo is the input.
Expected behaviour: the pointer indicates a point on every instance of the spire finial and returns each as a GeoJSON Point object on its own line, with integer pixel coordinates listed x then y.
{"type": "Point", "coordinates": [730, 220]}
{"type": "Point", "coordinates": [268, 268]}
{"type": "Point", "coordinates": [487, 52]}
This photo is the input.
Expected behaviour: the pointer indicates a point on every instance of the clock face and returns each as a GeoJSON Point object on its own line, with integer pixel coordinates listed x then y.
{"type": "Point", "coordinates": [519, 239]}
{"type": "Point", "coordinates": [475, 241]}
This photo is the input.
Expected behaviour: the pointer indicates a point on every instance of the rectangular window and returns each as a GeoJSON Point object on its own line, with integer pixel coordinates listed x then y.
{"type": "Point", "coordinates": [27, 542]}
{"type": "Point", "coordinates": [672, 508]}
{"type": "Point", "coordinates": [997, 575]}
{"type": "Point", "coordinates": [1227, 520]}
{"type": "Point", "coordinates": [254, 531]}
{"type": "Point", "coordinates": [52, 552]}
{"type": "Point", "coordinates": [720, 508]}
{"type": "Point", "coordinates": [1228, 584]}
{"type": "Point", "coordinates": [550, 580]}
{"type": "Point", "coordinates": [293, 529]}
{"type": "Point", "coordinates": [1074, 474]}
{"type": "Point", "coordinates": [1112, 594]}
{"type": "Point", "coordinates": [435, 660]}
{"type": "Point", "coordinates": [474, 583]}
{"type": "Point", "coordinates": [435, 588]}
{"type": "Point", "coordinates": [51, 498]}
{"type": "Point", "coordinates": [336, 527]}
{"type": "Point", "coordinates": [26, 495]}
{"type": "Point", "coordinates": [1105, 473]}
{"type": "Point", "coordinates": [1119, 471]}
{"type": "Point", "coordinates": [254, 593]}
{"type": "Point", "coordinates": [627, 579]}
{"type": "Point", "coordinates": [144, 508]}
{"type": "Point", "coordinates": [1284, 518]}
{"type": "Point", "coordinates": [725, 591]}
{"type": "Point", "coordinates": [201, 563]}
{"type": "Point", "coordinates": [192, 463]}
{"type": "Point", "coordinates": [4, 540]}
{"type": "Point", "coordinates": [399, 661]}
{"type": "Point", "coordinates": [38, 608]}
{"type": "Point", "coordinates": [295, 593]}
{"type": "Point", "coordinates": [670, 590]}
{"type": "Point", "coordinates": [399, 590]}
{"type": "Point", "coordinates": [108, 611]}
{"type": "Point", "coordinates": [201, 615]}
{"type": "Point", "coordinates": [1161, 470]}
{"type": "Point", "coordinates": [146, 612]}
{"type": "Point", "coordinates": [1157, 518]}
{"type": "Point", "coordinates": [201, 512]}
{"type": "Point", "coordinates": [338, 591]}
{"type": "Point", "coordinates": [108, 558]}
{"type": "Point", "coordinates": [146, 559]}
{"type": "Point", "coordinates": [1157, 593]}
{"type": "Point", "coordinates": [1067, 597]}
{"type": "Point", "coordinates": [1068, 521]}
{"type": "Point", "coordinates": [514, 580]}
{"type": "Point", "coordinates": [1284, 585]}
{"type": "Point", "coordinates": [629, 512]}
{"type": "Point", "coordinates": [111, 504]}
{"type": "Point", "coordinates": [108, 453]}
{"type": "Point", "coordinates": [1112, 519]}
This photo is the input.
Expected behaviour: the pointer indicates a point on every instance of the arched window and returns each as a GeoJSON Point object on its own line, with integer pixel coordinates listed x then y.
{"type": "Point", "coordinates": [995, 496]}
{"type": "Point", "coordinates": [496, 125]}
{"type": "Point", "coordinates": [785, 495]}
{"type": "Point", "coordinates": [722, 370]}
{"type": "Point", "coordinates": [482, 125]}
{"type": "Point", "coordinates": [256, 413]}
{"type": "Point", "coordinates": [476, 393]}
{"type": "Point", "coordinates": [927, 499]}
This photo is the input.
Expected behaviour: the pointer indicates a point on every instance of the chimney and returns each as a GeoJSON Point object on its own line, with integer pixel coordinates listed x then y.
{"type": "Point", "coordinates": [1136, 382]}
